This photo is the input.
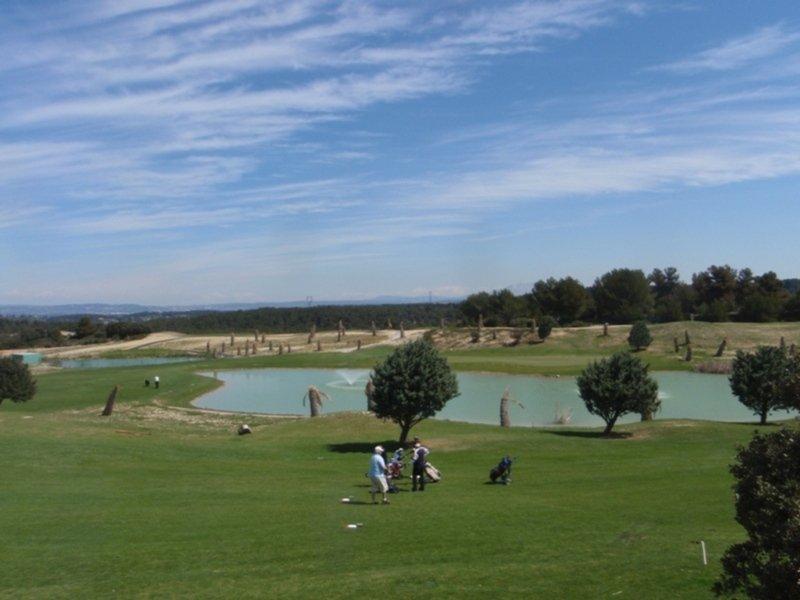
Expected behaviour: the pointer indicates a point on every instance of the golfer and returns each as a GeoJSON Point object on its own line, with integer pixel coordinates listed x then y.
{"type": "Point", "coordinates": [377, 475]}
{"type": "Point", "coordinates": [420, 458]}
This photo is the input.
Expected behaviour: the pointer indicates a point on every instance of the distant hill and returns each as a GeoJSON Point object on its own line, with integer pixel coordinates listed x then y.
{"type": "Point", "coordinates": [111, 310]}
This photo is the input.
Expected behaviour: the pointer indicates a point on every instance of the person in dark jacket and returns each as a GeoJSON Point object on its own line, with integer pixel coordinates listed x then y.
{"type": "Point", "coordinates": [420, 461]}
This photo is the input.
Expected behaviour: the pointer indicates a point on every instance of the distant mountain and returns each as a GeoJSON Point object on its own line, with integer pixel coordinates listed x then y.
{"type": "Point", "coordinates": [111, 310]}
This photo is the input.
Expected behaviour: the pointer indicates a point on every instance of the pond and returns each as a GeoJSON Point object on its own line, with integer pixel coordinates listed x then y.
{"type": "Point", "coordinates": [105, 363]}
{"type": "Point", "coordinates": [280, 391]}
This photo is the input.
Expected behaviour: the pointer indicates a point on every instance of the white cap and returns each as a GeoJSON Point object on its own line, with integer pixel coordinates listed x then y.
{"type": "Point", "coordinates": [378, 449]}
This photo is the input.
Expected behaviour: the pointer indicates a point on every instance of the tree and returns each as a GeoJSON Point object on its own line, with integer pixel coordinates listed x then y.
{"type": "Point", "coordinates": [639, 337]}
{"type": "Point", "coordinates": [16, 383]}
{"type": "Point", "coordinates": [545, 327]}
{"type": "Point", "coordinates": [622, 296]}
{"type": "Point", "coordinates": [566, 299]}
{"type": "Point", "coordinates": [719, 284]}
{"type": "Point", "coordinates": [766, 566]}
{"type": "Point", "coordinates": [85, 328]}
{"type": "Point", "coordinates": [765, 380]}
{"type": "Point", "coordinates": [616, 386]}
{"type": "Point", "coordinates": [412, 384]}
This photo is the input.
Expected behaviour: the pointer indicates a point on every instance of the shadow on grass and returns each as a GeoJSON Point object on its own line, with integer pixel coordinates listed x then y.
{"type": "Point", "coordinates": [363, 447]}
{"type": "Point", "coordinates": [599, 435]}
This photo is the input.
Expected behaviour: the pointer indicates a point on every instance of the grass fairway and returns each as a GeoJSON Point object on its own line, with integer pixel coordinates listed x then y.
{"type": "Point", "coordinates": [165, 502]}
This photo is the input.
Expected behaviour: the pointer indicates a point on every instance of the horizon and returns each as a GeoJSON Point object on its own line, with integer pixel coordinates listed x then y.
{"type": "Point", "coordinates": [171, 153]}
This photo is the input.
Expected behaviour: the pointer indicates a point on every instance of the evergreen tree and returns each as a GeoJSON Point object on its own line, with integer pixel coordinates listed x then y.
{"type": "Point", "coordinates": [765, 380]}
{"type": "Point", "coordinates": [622, 296]}
{"type": "Point", "coordinates": [639, 337]}
{"type": "Point", "coordinates": [766, 565]}
{"type": "Point", "coordinates": [545, 327]}
{"type": "Point", "coordinates": [16, 383]}
{"type": "Point", "coordinates": [616, 386]}
{"type": "Point", "coordinates": [412, 384]}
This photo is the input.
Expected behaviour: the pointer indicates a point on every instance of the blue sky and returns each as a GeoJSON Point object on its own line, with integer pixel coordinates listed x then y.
{"type": "Point", "coordinates": [163, 151]}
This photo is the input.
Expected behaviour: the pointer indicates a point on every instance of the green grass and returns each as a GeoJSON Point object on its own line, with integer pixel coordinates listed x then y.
{"type": "Point", "coordinates": [168, 502]}
{"type": "Point", "coordinates": [146, 352]}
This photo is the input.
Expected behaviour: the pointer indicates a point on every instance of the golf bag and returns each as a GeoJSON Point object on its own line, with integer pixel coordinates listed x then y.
{"type": "Point", "coordinates": [432, 474]}
{"type": "Point", "coordinates": [395, 466]}
{"type": "Point", "coordinates": [502, 471]}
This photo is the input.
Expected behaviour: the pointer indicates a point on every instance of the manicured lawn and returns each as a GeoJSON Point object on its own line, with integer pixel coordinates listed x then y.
{"type": "Point", "coordinates": [164, 502]}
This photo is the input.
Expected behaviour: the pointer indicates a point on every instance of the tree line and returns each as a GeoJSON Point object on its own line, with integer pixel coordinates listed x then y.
{"type": "Point", "coordinates": [719, 293]}
{"type": "Point", "coordinates": [296, 319]}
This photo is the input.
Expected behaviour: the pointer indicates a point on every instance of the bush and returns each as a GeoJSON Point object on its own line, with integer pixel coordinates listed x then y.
{"type": "Point", "coordinates": [766, 566]}
{"type": "Point", "coordinates": [412, 384]}
{"type": "Point", "coordinates": [639, 337]}
{"type": "Point", "coordinates": [16, 383]}
{"type": "Point", "coordinates": [616, 386]}
{"type": "Point", "coordinates": [765, 380]}
{"type": "Point", "coordinates": [545, 327]}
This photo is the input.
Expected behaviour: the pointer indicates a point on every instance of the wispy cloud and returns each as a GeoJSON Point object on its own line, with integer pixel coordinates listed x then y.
{"type": "Point", "coordinates": [738, 52]}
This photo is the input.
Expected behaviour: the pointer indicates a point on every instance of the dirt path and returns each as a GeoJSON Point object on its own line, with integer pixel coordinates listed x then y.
{"type": "Point", "coordinates": [91, 349]}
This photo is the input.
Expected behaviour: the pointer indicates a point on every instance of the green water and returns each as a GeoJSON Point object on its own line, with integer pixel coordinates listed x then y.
{"type": "Point", "coordinates": [280, 391]}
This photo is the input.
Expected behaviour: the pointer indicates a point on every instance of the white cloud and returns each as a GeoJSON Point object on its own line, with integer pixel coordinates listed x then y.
{"type": "Point", "coordinates": [738, 52]}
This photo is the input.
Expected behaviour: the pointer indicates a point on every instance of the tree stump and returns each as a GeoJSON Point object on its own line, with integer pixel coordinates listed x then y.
{"type": "Point", "coordinates": [505, 420]}
{"type": "Point", "coordinates": [723, 344]}
{"type": "Point", "coordinates": [369, 392]}
{"type": "Point", "coordinates": [315, 398]}
{"type": "Point", "coordinates": [112, 398]}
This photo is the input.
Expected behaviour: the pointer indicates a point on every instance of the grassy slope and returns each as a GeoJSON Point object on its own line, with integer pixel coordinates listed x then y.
{"type": "Point", "coordinates": [134, 506]}
{"type": "Point", "coordinates": [140, 505]}
{"type": "Point", "coordinates": [566, 352]}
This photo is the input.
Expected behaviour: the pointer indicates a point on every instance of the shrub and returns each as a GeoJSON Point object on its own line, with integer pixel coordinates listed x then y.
{"type": "Point", "coordinates": [412, 384]}
{"type": "Point", "coordinates": [767, 564]}
{"type": "Point", "coordinates": [616, 386]}
{"type": "Point", "coordinates": [639, 337]}
{"type": "Point", "coordinates": [546, 325]}
{"type": "Point", "coordinates": [765, 380]}
{"type": "Point", "coordinates": [16, 383]}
